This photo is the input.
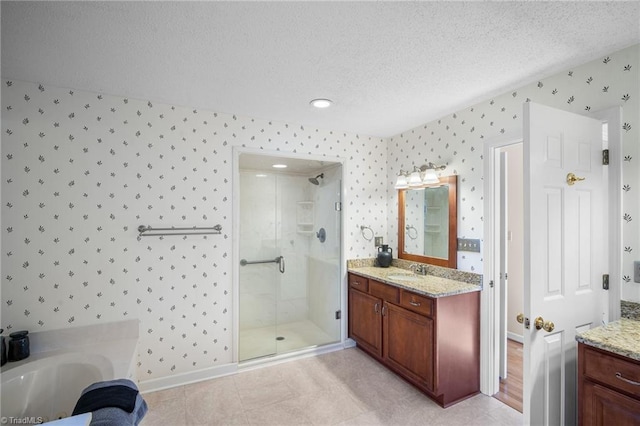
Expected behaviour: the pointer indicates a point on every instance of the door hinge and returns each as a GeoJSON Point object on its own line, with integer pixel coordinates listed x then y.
{"type": "Point", "coordinates": [605, 281]}
{"type": "Point", "coordinates": [605, 157]}
{"type": "Point", "coordinates": [338, 314]}
{"type": "Point", "coordinates": [491, 284]}
{"type": "Point", "coordinates": [338, 206]}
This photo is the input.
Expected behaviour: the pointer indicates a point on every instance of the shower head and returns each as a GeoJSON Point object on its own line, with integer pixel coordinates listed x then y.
{"type": "Point", "coordinates": [315, 180]}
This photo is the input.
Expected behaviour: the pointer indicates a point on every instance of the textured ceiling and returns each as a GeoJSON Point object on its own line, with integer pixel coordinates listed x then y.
{"type": "Point", "coordinates": [387, 66]}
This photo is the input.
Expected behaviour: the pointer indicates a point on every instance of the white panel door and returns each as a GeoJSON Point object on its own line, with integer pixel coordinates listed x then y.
{"type": "Point", "coordinates": [565, 254]}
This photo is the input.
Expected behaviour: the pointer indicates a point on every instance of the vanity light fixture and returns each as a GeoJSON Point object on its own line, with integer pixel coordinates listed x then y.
{"type": "Point", "coordinates": [415, 180]}
{"type": "Point", "coordinates": [321, 103]}
{"type": "Point", "coordinates": [279, 166]}
{"type": "Point", "coordinates": [430, 177]}
{"type": "Point", "coordinates": [421, 177]}
{"type": "Point", "coordinates": [402, 182]}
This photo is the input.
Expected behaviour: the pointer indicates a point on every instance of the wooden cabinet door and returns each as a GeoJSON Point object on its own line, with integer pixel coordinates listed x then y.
{"type": "Point", "coordinates": [602, 406]}
{"type": "Point", "coordinates": [365, 323]}
{"type": "Point", "coordinates": [408, 344]}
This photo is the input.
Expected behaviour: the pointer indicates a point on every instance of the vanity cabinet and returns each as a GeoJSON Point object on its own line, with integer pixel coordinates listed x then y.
{"type": "Point", "coordinates": [365, 326]}
{"type": "Point", "coordinates": [433, 343]}
{"type": "Point", "coordinates": [408, 344]}
{"type": "Point", "coordinates": [608, 388]}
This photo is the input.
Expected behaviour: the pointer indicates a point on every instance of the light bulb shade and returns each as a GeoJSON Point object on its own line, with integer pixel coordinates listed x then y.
{"type": "Point", "coordinates": [430, 177]}
{"type": "Point", "coordinates": [402, 183]}
{"type": "Point", "coordinates": [415, 180]}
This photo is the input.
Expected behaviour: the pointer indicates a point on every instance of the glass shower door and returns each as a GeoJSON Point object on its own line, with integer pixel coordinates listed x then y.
{"type": "Point", "coordinates": [288, 217]}
{"type": "Point", "coordinates": [259, 273]}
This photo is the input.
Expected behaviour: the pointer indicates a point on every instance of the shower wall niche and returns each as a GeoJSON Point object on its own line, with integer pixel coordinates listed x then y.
{"type": "Point", "coordinates": [291, 307]}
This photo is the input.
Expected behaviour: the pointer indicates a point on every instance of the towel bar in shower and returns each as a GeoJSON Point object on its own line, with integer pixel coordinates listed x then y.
{"type": "Point", "coordinates": [161, 232]}
{"type": "Point", "coordinates": [279, 260]}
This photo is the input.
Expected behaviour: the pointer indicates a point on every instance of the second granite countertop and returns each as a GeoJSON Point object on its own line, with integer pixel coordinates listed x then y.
{"type": "Point", "coordinates": [621, 337]}
{"type": "Point", "coordinates": [428, 285]}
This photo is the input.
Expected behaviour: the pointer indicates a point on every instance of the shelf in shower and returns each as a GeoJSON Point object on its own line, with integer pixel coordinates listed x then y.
{"type": "Point", "coordinates": [304, 217]}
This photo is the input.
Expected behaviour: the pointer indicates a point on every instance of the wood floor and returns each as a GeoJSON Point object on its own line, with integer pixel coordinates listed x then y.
{"type": "Point", "coordinates": [511, 387]}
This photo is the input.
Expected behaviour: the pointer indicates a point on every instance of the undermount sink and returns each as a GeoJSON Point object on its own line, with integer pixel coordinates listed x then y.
{"type": "Point", "coordinates": [404, 277]}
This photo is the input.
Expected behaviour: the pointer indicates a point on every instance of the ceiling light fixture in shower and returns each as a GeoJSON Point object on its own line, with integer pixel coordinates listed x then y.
{"type": "Point", "coordinates": [321, 103]}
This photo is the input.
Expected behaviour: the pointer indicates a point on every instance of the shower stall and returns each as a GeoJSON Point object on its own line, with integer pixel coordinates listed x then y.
{"type": "Point", "coordinates": [290, 250]}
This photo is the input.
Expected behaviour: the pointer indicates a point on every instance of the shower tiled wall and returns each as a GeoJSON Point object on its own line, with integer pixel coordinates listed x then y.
{"type": "Point", "coordinates": [81, 171]}
{"type": "Point", "coordinates": [324, 258]}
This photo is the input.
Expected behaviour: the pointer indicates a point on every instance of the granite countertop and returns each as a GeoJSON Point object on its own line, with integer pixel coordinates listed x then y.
{"type": "Point", "coordinates": [428, 285]}
{"type": "Point", "coordinates": [619, 337]}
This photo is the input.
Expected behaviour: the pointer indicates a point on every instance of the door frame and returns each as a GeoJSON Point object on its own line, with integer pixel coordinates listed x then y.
{"type": "Point", "coordinates": [490, 296]}
{"type": "Point", "coordinates": [235, 320]}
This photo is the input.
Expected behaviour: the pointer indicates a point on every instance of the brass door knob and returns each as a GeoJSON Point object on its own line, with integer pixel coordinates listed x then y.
{"type": "Point", "coordinates": [540, 323]}
{"type": "Point", "coordinates": [520, 318]}
{"type": "Point", "coordinates": [572, 179]}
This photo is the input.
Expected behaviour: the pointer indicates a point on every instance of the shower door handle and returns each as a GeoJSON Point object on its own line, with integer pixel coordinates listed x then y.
{"type": "Point", "coordinates": [279, 260]}
{"type": "Point", "coordinates": [281, 264]}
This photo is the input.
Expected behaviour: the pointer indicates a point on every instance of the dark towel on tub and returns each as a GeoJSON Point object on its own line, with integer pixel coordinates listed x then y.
{"type": "Point", "coordinates": [118, 396]}
{"type": "Point", "coordinates": [112, 403]}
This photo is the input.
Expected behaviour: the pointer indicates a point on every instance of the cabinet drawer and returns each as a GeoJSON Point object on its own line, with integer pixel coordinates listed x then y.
{"type": "Point", "coordinates": [384, 291]}
{"type": "Point", "coordinates": [612, 371]}
{"type": "Point", "coordinates": [416, 302]}
{"type": "Point", "coordinates": [359, 283]}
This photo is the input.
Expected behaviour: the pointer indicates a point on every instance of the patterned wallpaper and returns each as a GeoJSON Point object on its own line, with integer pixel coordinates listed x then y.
{"type": "Point", "coordinates": [81, 171]}
{"type": "Point", "coordinates": [457, 140]}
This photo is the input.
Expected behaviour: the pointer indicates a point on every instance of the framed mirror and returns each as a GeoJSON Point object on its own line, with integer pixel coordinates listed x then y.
{"type": "Point", "coordinates": [427, 223]}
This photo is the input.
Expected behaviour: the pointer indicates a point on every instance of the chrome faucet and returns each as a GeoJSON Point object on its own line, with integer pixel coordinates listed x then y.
{"type": "Point", "coordinates": [419, 268]}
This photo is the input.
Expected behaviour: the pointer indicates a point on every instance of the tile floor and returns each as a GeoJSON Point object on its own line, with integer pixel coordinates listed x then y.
{"type": "Point", "coordinates": [344, 387]}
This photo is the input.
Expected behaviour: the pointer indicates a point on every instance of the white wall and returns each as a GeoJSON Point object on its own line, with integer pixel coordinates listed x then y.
{"type": "Point", "coordinates": [515, 247]}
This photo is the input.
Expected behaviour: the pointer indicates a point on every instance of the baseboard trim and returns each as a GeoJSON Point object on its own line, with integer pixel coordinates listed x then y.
{"type": "Point", "coordinates": [187, 378]}
{"type": "Point", "coordinates": [515, 337]}
{"type": "Point", "coordinates": [181, 379]}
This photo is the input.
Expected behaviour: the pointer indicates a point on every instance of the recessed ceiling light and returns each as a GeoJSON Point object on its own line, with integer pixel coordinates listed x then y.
{"type": "Point", "coordinates": [321, 103]}
{"type": "Point", "coordinates": [279, 166]}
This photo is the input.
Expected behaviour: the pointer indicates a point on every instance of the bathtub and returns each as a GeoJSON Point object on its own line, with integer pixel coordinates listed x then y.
{"type": "Point", "coordinates": [48, 388]}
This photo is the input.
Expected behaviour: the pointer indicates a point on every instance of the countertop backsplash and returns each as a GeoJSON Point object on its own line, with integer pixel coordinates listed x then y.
{"type": "Point", "coordinates": [437, 271]}
{"type": "Point", "coordinates": [630, 310]}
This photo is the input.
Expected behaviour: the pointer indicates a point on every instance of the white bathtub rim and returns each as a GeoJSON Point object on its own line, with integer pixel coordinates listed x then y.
{"type": "Point", "coordinates": [119, 353]}
{"type": "Point", "coordinates": [102, 363]}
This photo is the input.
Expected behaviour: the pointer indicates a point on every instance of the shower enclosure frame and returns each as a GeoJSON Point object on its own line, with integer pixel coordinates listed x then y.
{"type": "Point", "coordinates": [237, 152]}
